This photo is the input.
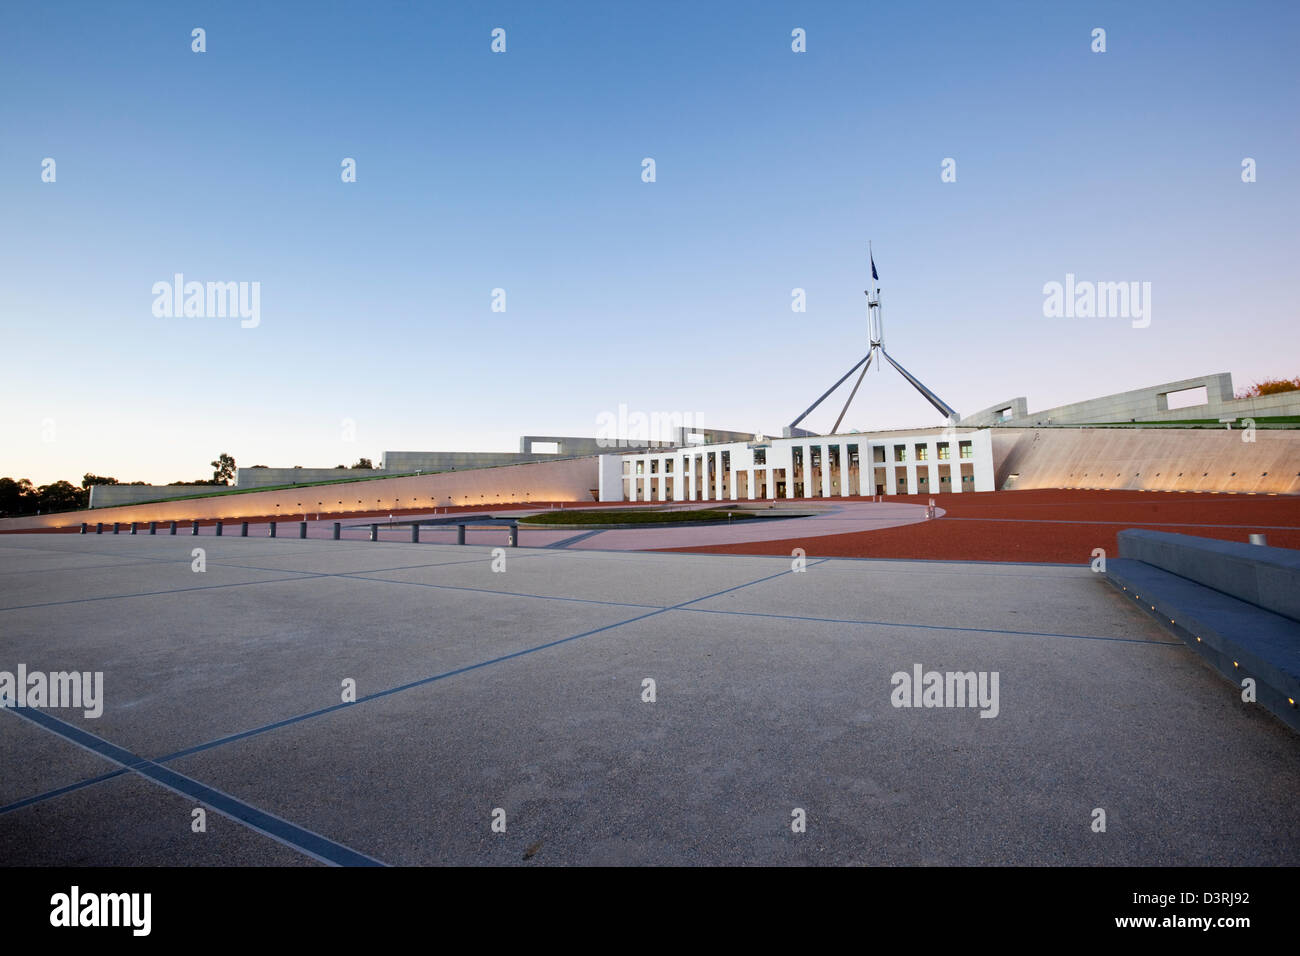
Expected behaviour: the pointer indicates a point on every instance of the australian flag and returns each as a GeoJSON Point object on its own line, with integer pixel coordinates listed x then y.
{"type": "Point", "coordinates": [874, 274]}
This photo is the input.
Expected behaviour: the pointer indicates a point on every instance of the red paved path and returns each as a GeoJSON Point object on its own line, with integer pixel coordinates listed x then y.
{"type": "Point", "coordinates": [1055, 526]}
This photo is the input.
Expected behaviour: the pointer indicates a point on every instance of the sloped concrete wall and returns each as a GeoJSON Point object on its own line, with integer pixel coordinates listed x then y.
{"type": "Point", "coordinates": [570, 480]}
{"type": "Point", "coordinates": [1148, 459]}
{"type": "Point", "coordinates": [262, 477]}
{"type": "Point", "coordinates": [106, 496]}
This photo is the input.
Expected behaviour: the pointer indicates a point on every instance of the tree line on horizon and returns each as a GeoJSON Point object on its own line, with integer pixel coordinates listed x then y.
{"type": "Point", "coordinates": [18, 496]}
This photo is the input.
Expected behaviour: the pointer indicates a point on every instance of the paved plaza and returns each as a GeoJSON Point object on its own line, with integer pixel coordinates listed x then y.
{"type": "Point", "coordinates": [519, 696]}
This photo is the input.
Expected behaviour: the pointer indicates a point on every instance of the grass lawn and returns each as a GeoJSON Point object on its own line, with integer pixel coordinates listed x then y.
{"type": "Point", "coordinates": [632, 517]}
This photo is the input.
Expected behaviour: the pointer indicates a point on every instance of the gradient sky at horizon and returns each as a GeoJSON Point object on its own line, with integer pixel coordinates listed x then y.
{"type": "Point", "coordinates": [523, 171]}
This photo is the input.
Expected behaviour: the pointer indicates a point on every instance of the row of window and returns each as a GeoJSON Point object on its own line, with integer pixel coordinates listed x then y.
{"type": "Point", "coordinates": [921, 451]}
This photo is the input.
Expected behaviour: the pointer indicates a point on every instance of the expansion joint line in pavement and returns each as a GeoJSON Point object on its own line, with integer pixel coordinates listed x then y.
{"type": "Point", "coordinates": [298, 838]}
{"type": "Point", "coordinates": [282, 831]}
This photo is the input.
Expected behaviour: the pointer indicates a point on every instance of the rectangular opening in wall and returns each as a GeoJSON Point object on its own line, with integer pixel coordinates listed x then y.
{"type": "Point", "coordinates": [1188, 397]}
{"type": "Point", "coordinates": [544, 448]}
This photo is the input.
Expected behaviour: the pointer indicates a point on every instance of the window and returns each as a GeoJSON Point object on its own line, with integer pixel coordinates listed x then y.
{"type": "Point", "coordinates": [943, 451]}
{"type": "Point", "coordinates": [922, 452]}
{"type": "Point", "coordinates": [760, 456]}
{"type": "Point", "coordinates": [965, 449]}
{"type": "Point", "coordinates": [900, 453]}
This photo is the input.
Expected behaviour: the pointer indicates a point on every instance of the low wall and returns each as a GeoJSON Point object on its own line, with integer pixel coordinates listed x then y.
{"type": "Point", "coordinates": [571, 480]}
{"type": "Point", "coordinates": [1260, 575]}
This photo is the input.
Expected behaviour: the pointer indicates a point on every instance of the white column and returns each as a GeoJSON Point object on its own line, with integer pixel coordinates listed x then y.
{"type": "Point", "coordinates": [844, 469]}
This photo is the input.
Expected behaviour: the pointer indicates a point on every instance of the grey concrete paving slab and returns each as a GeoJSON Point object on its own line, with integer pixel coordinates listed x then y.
{"type": "Point", "coordinates": [1008, 597]}
{"type": "Point", "coordinates": [132, 822]}
{"type": "Point", "coordinates": [523, 691]}
{"type": "Point", "coordinates": [749, 725]}
{"type": "Point", "coordinates": [225, 662]}
{"type": "Point", "coordinates": [603, 578]}
{"type": "Point", "coordinates": [53, 587]}
{"type": "Point", "coordinates": [34, 761]}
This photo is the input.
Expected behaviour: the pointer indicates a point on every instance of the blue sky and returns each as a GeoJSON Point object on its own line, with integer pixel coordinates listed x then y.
{"type": "Point", "coordinates": [522, 171]}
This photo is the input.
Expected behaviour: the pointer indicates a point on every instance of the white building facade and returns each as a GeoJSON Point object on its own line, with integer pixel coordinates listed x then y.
{"type": "Point", "coordinates": [935, 461]}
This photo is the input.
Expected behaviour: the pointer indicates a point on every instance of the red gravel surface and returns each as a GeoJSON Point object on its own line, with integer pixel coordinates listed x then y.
{"type": "Point", "coordinates": [1048, 526]}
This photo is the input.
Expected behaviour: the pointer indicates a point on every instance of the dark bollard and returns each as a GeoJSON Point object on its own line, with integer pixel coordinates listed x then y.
{"type": "Point", "coordinates": [460, 534]}
{"type": "Point", "coordinates": [270, 532]}
{"type": "Point", "coordinates": [338, 527]}
{"type": "Point", "coordinates": [512, 536]}
{"type": "Point", "coordinates": [302, 529]}
{"type": "Point", "coordinates": [133, 527]}
{"type": "Point", "coordinates": [415, 534]}
{"type": "Point", "coordinates": [243, 529]}
{"type": "Point", "coordinates": [153, 527]}
{"type": "Point", "coordinates": [218, 532]}
{"type": "Point", "coordinates": [374, 532]}
{"type": "Point", "coordinates": [114, 527]}
{"type": "Point", "coordinates": [194, 527]}
{"type": "Point", "coordinates": [173, 528]}
{"type": "Point", "coordinates": [83, 527]}
{"type": "Point", "coordinates": [99, 527]}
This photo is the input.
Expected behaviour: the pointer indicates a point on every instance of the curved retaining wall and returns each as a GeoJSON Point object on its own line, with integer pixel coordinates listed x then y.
{"type": "Point", "coordinates": [1148, 459]}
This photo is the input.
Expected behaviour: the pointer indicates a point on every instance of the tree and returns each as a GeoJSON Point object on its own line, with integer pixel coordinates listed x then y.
{"type": "Point", "coordinates": [363, 463]}
{"type": "Point", "coordinates": [61, 496]}
{"type": "Point", "coordinates": [88, 479]}
{"type": "Point", "coordinates": [1270, 386]}
{"type": "Point", "coordinates": [15, 496]}
{"type": "Point", "coordinates": [225, 469]}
